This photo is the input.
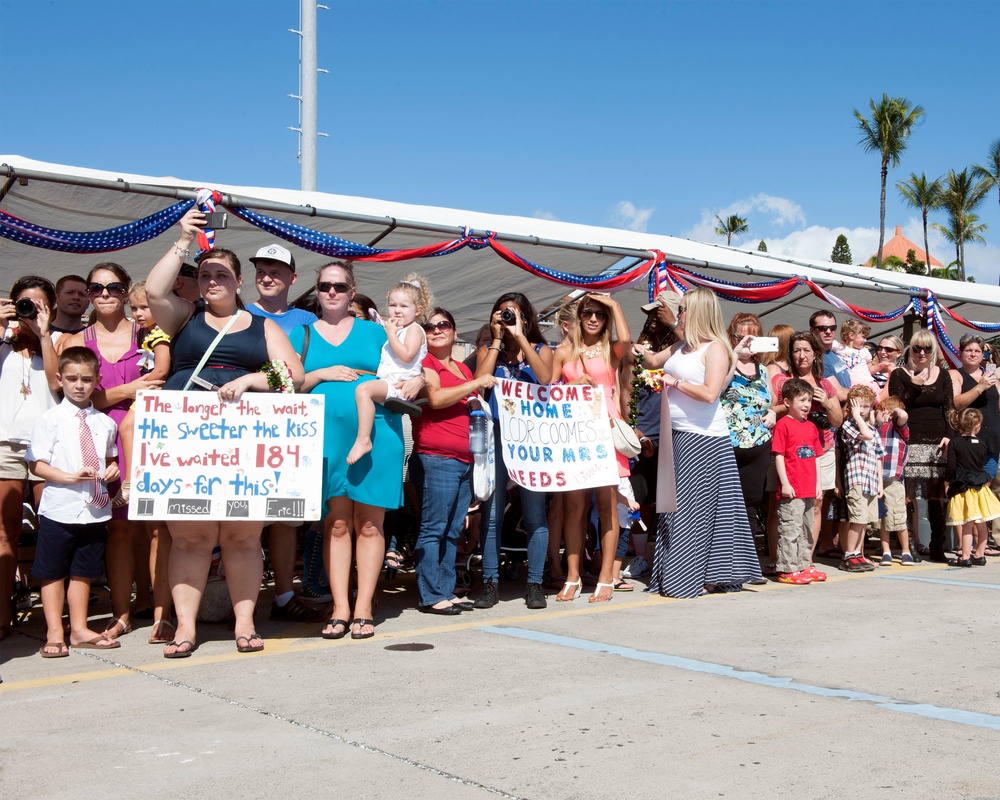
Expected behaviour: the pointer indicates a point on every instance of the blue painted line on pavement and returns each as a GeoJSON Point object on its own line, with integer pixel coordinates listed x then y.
{"type": "Point", "coordinates": [957, 715]}
{"type": "Point", "coordinates": [940, 580]}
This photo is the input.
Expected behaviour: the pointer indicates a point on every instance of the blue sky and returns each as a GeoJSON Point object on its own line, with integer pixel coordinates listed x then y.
{"type": "Point", "coordinates": [650, 115]}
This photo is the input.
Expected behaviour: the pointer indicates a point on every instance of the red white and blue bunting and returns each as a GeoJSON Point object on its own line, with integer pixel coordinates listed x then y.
{"type": "Point", "coordinates": [656, 270]}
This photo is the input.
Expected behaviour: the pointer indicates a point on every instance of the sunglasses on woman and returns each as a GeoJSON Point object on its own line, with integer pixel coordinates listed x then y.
{"type": "Point", "coordinates": [597, 314]}
{"type": "Point", "coordinates": [115, 289]}
{"type": "Point", "coordinates": [442, 325]}
{"type": "Point", "coordinates": [921, 348]}
{"type": "Point", "coordinates": [325, 287]}
{"type": "Point", "coordinates": [882, 349]}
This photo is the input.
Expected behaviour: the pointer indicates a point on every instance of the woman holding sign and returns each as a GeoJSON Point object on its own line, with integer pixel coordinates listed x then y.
{"type": "Point", "coordinates": [341, 351]}
{"type": "Point", "coordinates": [217, 344]}
{"type": "Point", "coordinates": [592, 357]}
{"type": "Point", "coordinates": [517, 351]}
{"type": "Point", "coordinates": [705, 545]}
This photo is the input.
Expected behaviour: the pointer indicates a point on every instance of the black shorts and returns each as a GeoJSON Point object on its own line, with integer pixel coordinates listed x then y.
{"type": "Point", "coordinates": [69, 551]}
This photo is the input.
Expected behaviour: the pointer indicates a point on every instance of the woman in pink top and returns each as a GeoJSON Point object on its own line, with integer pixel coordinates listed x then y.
{"type": "Point", "coordinates": [593, 357]}
{"type": "Point", "coordinates": [441, 466]}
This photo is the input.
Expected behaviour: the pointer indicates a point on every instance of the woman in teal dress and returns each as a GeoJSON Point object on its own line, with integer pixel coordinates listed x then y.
{"type": "Point", "coordinates": [341, 351]}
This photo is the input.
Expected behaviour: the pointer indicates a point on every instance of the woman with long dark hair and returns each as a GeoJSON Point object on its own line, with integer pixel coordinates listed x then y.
{"type": "Point", "coordinates": [517, 350]}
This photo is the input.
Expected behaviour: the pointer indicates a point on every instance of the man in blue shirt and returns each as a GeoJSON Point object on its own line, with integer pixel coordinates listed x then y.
{"type": "Point", "coordinates": [274, 278]}
{"type": "Point", "coordinates": [823, 326]}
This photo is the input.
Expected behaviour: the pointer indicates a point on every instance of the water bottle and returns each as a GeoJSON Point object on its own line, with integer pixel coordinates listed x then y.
{"type": "Point", "coordinates": [477, 432]}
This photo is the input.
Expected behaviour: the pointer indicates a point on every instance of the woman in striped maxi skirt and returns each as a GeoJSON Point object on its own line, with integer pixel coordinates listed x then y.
{"type": "Point", "coordinates": [705, 545]}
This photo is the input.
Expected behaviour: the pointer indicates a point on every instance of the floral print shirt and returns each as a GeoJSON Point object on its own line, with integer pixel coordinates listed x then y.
{"type": "Point", "coordinates": [746, 401]}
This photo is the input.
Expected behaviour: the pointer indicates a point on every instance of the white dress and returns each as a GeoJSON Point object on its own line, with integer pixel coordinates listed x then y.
{"type": "Point", "coordinates": [392, 369]}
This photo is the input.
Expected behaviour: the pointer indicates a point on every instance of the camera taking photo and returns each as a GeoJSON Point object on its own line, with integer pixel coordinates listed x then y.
{"type": "Point", "coordinates": [507, 317]}
{"type": "Point", "coordinates": [25, 308]}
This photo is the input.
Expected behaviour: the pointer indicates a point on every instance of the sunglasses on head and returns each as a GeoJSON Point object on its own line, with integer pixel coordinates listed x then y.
{"type": "Point", "coordinates": [596, 313]}
{"type": "Point", "coordinates": [921, 348]}
{"type": "Point", "coordinates": [826, 328]}
{"type": "Point", "coordinates": [325, 287]}
{"type": "Point", "coordinates": [441, 325]}
{"type": "Point", "coordinates": [115, 289]}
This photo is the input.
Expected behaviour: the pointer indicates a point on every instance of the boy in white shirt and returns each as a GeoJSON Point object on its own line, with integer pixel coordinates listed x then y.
{"type": "Point", "coordinates": [73, 450]}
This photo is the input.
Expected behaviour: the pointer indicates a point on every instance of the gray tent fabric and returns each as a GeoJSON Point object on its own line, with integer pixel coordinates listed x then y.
{"type": "Point", "coordinates": [467, 282]}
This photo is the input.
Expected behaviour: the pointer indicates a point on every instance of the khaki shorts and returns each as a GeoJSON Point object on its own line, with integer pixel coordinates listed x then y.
{"type": "Point", "coordinates": [828, 469]}
{"type": "Point", "coordinates": [895, 506]}
{"type": "Point", "coordinates": [861, 508]}
{"type": "Point", "coordinates": [13, 467]}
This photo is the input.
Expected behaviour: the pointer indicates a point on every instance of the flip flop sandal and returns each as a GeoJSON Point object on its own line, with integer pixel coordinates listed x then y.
{"type": "Point", "coordinates": [249, 648]}
{"type": "Point", "coordinates": [622, 586]}
{"type": "Point", "coordinates": [181, 653]}
{"type": "Point", "coordinates": [115, 624]}
{"type": "Point", "coordinates": [361, 623]}
{"type": "Point", "coordinates": [63, 650]}
{"type": "Point", "coordinates": [156, 633]}
{"type": "Point", "coordinates": [93, 644]}
{"type": "Point", "coordinates": [333, 623]}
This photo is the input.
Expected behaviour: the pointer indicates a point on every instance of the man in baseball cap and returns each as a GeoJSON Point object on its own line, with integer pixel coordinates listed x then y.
{"type": "Point", "coordinates": [275, 274]}
{"type": "Point", "coordinates": [667, 306]}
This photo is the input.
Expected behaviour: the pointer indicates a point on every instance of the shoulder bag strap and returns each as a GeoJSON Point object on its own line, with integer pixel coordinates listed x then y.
{"type": "Point", "coordinates": [211, 349]}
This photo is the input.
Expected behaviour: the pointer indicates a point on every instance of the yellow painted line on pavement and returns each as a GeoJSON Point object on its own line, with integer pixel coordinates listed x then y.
{"type": "Point", "coordinates": [301, 636]}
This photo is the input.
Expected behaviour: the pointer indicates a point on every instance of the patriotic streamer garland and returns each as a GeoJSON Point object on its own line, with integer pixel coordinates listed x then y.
{"type": "Point", "coordinates": [119, 238]}
{"type": "Point", "coordinates": [659, 273]}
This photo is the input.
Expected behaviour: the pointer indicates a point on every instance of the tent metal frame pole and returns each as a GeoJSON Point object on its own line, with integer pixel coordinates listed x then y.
{"type": "Point", "coordinates": [818, 274]}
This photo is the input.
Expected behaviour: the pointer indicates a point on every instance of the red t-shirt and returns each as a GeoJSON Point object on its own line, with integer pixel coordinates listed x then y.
{"type": "Point", "coordinates": [444, 431]}
{"type": "Point", "coordinates": [799, 443]}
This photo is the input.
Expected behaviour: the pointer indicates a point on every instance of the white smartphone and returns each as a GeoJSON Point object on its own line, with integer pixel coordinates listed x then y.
{"type": "Point", "coordinates": [764, 344]}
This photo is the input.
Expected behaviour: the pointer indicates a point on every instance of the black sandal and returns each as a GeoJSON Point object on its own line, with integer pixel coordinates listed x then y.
{"type": "Point", "coordinates": [361, 623]}
{"type": "Point", "coordinates": [333, 623]}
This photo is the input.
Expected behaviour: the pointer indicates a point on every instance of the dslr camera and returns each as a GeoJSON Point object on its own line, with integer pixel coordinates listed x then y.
{"type": "Point", "coordinates": [25, 308]}
{"type": "Point", "coordinates": [508, 317]}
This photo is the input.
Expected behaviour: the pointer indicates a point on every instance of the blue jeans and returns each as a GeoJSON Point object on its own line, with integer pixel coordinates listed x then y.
{"type": "Point", "coordinates": [535, 523]}
{"type": "Point", "coordinates": [444, 487]}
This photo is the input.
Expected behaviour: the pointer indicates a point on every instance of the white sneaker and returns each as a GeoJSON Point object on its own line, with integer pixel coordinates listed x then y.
{"type": "Point", "coordinates": [637, 567]}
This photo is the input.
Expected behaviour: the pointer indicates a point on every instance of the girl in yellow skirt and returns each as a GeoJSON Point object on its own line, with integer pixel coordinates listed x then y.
{"type": "Point", "coordinates": [971, 503]}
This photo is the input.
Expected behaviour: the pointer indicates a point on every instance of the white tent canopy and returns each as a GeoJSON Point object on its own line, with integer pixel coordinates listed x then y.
{"type": "Point", "coordinates": [467, 282]}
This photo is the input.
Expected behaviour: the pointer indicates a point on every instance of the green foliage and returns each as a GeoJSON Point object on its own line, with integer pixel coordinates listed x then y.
{"type": "Point", "coordinates": [893, 264]}
{"type": "Point", "coordinates": [991, 171]}
{"type": "Point", "coordinates": [841, 253]}
{"type": "Point", "coordinates": [731, 226]}
{"type": "Point", "coordinates": [914, 265]}
{"type": "Point", "coordinates": [762, 247]}
{"type": "Point", "coordinates": [961, 195]}
{"type": "Point", "coordinates": [885, 132]}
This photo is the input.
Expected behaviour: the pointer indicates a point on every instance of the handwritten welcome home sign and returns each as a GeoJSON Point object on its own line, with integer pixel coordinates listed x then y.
{"type": "Point", "coordinates": [556, 438]}
{"type": "Point", "coordinates": [196, 457]}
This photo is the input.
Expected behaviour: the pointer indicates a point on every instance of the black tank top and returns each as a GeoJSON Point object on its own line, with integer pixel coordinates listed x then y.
{"type": "Point", "coordinates": [988, 403]}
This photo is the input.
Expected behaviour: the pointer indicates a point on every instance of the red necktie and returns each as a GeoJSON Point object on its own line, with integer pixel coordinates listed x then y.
{"type": "Point", "coordinates": [100, 493]}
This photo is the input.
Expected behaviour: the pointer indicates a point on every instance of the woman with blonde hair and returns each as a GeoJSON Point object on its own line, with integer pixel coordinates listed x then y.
{"type": "Point", "coordinates": [927, 393]}
{"type": "Point", "coordinates": [705, 545]}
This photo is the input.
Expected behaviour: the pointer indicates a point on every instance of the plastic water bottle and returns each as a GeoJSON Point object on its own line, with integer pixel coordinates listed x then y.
{"type": "Point", "coordinates": [477, 432]}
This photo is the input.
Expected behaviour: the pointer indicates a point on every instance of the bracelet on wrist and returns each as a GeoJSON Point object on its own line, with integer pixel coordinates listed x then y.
{"type": "Point", "coordinates": [180, 252]}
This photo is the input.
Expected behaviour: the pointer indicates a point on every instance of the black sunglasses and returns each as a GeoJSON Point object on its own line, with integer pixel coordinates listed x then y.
{"type": "Point", "coordinates": [881, 348]}
{"type": "Point", "coordinates": [340, 288]}
{"type": "Point", "coordinates": [921, 348]}
{"type": "Point", "coordinates": [115, 289]}
{"type": "Point", "coordinates": [595, 313]}
{"type": "Point", "coordinates": [827, 328]}
{"type": "Point", "coordinates": [442, 325]}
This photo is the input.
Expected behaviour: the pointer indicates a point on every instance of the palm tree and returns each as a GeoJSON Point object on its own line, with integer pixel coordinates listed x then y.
{"type": "Point", "coordinates": [888, 129]}
{"type": "Point", "coordinates": [991, 172]}
{"type": "Point", "coordinates": [918, 192]}
{"type": "Point", "coordinates": [731, 226]}
{"type": "Point", "coordinates": [961, 195]}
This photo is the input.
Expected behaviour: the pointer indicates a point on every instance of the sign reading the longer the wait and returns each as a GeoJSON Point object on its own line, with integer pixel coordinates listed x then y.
{"type": "Point", "coordinates": [196, 457]}
{"type": "Point", "coordinates": [556, 438]}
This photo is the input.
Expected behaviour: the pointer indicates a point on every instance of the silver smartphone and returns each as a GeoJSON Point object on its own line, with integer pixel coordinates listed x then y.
{"type": "Point", "coordinates": [764, 344]}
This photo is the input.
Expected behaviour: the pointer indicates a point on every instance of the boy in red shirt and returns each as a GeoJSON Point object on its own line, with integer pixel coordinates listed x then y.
{"type": "Point", "coordinates": [796, 447]}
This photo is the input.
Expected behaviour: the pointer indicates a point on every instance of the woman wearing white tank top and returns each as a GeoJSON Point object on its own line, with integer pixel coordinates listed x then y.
{"type": "Point", "coordinates": [706, 544]}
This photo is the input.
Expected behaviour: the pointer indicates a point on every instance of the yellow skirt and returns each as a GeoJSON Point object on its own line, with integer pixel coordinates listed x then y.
{"type": "Point", "coordinates": [973, 505]}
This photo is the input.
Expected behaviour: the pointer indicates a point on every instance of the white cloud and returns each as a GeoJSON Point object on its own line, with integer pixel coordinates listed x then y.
{"type": "Point", "coordinates": [625, 215]}
{"type": "Point", "coordinates": [775, 210]}
{"type": "Point", "coordinates": [540, 214]}
{"type": "Point", "coordinates": [816, 243]}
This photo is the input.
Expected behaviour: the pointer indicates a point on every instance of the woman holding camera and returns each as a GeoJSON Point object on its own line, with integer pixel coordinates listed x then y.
{"type": "Point", "coordinates": [518, 351]}
{"type": "Point", "coordinates": [749, 416]}
{"type": "Point", "coordinates": [28, 386]}
{"type": "Point", "coordinates": [975, 386]}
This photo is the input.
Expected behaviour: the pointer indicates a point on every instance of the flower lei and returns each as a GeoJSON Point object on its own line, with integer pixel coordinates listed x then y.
{"type": "Point", "coordinates": [279, 376]}
{"type": "Point", "coordinates": [642, 378]}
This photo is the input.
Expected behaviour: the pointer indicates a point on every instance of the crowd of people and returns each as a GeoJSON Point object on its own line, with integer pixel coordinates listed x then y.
{"type": "Point", "coordinates": [755, 454]}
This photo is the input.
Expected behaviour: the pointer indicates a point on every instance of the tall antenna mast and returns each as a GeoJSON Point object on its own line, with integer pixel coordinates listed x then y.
{"type": "Point", "coordinates": [307, 93]}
